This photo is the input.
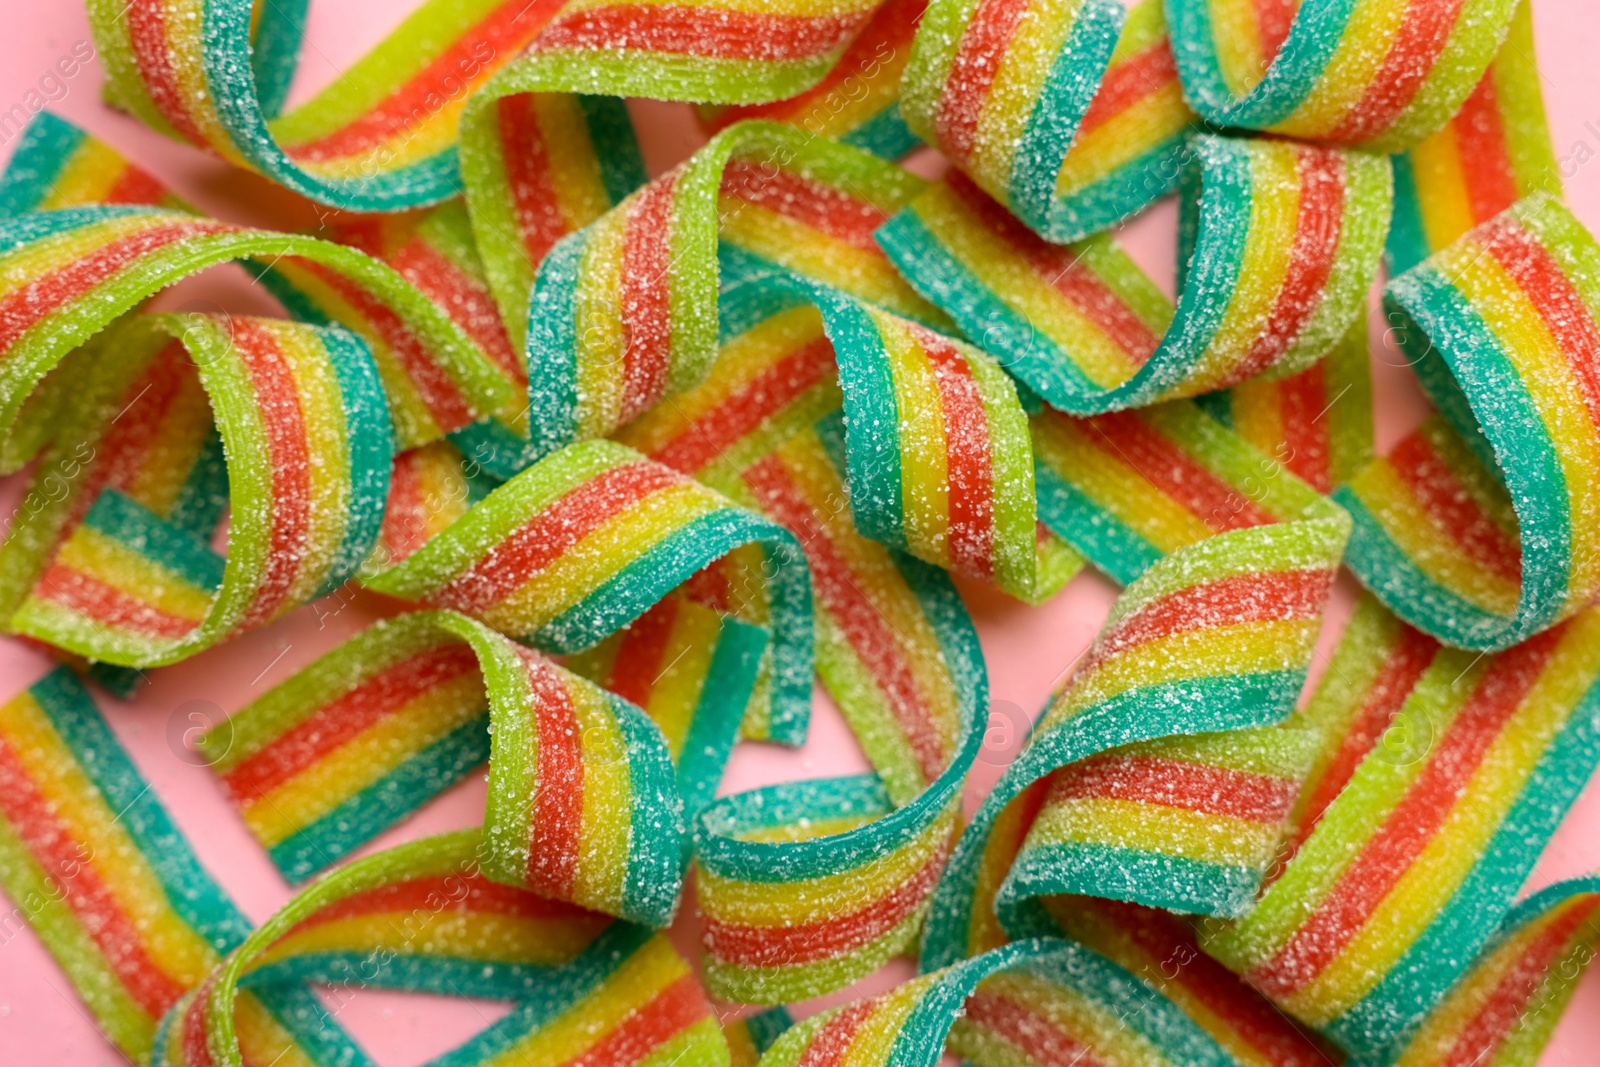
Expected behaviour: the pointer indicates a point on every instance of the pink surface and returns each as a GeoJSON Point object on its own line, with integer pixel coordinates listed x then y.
{"type": "Point", "coordinates": [1028, 649]}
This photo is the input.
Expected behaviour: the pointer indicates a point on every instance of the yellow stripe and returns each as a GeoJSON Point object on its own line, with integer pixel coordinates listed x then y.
{"type": "Point", "coordinates": [574, 167]}
{"type": "Point", "coordinates": [607, 803]}
{"type": "Point", "coordinates": [602, 344]}
{"type": "Point", "coordinates": [463, 935]}
{"type": "Point", "coordinates": [1369, 35]}
{"type": "Point", "coordinates": [924, 474]}
{"type": "Point", "coordinates": [1203, 836]}
{"type": "Point", "coordinates": [91, 552]}
{"type": "Point", "coordinates": [87, 176]}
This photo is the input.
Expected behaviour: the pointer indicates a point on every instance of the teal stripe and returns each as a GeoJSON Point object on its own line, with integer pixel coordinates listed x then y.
{"type": "Point", "coordinates": [656, 853]}
{"type": "Point", "coordinates": [1129, 188]}
{"type": "Point", "coordinates": [714, 728]}
{"type": "Point", "coordinates": [1154, 879]}
{"type": "Point", "coordinates": [386, 802]}
{"type": "Point", "coordinates": [45, 147]}
{"type": "Point", "coordinates": [1068, 89]}
{"type": "Point", "coordinates": [1408, 241]}
{"type": "Point", "coordinates": [885, 134]}
{"type": "Point", "coordinates": [37, 225]}
{"type": "Point", "coordinates": [204, 496]}
{"type": "Point", "coordinates": [1105, 540]}
{"type": "Point", "coordinates": [370, 443]}
{"type": "Point", "coordinates": [148, 534]}
{"type": "Point", "coordinates": [616, 146]}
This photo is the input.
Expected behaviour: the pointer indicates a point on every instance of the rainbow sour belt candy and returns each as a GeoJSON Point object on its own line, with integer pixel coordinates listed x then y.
{"type": "Point", "coordinates": [1380, 76]}
{"type": "Point", "coordinates": [422, 917]}
{"type": "Point", "coordinates": [1069, 114]}
{"type": "Point", "coordinates": [1480, 527]}
{"type": "Point", "coordinates": [1281, 242]}
{"type": "Point", "coordinates": [374, 729]}
{"type": "Point", "coordinates": [97, 868]}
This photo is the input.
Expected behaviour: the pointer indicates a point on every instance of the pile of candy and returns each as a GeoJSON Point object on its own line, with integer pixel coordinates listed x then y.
{"type": "Point", "coordinates": [647, 455]}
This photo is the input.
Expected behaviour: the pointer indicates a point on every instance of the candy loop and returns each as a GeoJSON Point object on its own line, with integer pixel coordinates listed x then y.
{"type": "Point", "coordinates": [299, 410]}
{"type": "Point", "coordinates": [1216, 637]}
{"type": "Point", "coordinates": [1375, 76]}
{"type": "Point", "coordinates": [1067, 113]}
{"type": "Point", "coordinates": [1480, 527]}
{"type": "Point", "coordinates": [1280, 242]}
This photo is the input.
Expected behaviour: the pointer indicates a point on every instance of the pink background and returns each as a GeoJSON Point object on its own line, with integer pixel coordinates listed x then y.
{"type": "Point", "coordinates": [1028, 650]}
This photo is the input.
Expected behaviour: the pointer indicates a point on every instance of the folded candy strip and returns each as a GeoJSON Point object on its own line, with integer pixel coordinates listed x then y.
{"type": "Point", "coordinates": [584, 805]}
{"type": "Point", "coordinates": [1479, 527]}
{"type": "Point", "coordinates": [103, 876]}
{"type": "Point", "coordinates": [421, 915]}
{"type": "Point", "coordinates": [1069, 114]}
{"type": "Point", "coordinates": [1378, 76]}
{"type": "Point", "coordinates": [1279, 244]}
{"type": "Point", "coordinates": [1213, 639]}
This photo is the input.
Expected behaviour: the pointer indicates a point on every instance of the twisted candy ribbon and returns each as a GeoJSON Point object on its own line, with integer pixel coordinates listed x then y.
{"type": "Point", "coordinates": [1281, 241]}
{"type": "Point", "coordinates": [1479, 527]}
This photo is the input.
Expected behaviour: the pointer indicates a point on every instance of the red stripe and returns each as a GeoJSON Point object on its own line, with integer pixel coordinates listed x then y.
{"type": "Point", "coordinates": [871, 55]}
{"type": "Point", "coordinates": [540, 220]}
{"type": "Point", "coordinates": [106, 604]}
{"type": "Point", "coordinates": [977, 62]}
{"type": "Point", "coordinates": [1177, 784]}
{"type": "Point", "coordinates": [1304, 401]}
{"type": "Point", "coordinates": [555, 832]}
{"type": "Point", "coordinates": [433, 384]}
{"type": "Point", "coordinates": [48, 293]}
{"type": "Point", "coordinates": [147, 34]}
{"type": "Point", "coordinates": [474, 54]}
{"type": "Point", "coordinates": [405, 518]}
{"type": "Point", "coordinates": [1481, 148]}
{"type": "Point", "coordinates": [278, 398]}
{"type": "Point", "coordinates": [1392, 849]}
{"type": "Point", "coordinates": [870, 637]}
{"type": "Point", "coordinates": [1403, 665]}
{"type": "Point", "coordinates": [1141, 75]}
{"type": "Point", "coordinates": [347, 716]}
{"type": "Point", "coordinates": [68, 864]}
{"type": "Point", "coordinates": [457, 892]}
{"type": "Point", "coordinates": [968, 463]}
{"type": "Point", "coordinates": [669, 1013]}
{"type": "Point", "coordinates": [776, 946]}
{"type": "Point", "coordinates": [135, 186]}
{"type": "Point", "coordinates": [1446, 501]}
{"type": "Point", "coordinates": [1029, 1031]}
{"type": "Point", "coordinates": [816, 205]}
{"type": "Point", "coordinates": [647, 277]}
{"type": "Point", "coordinates": [831, 1042]}
{"type": "Point", "coordinates": [1273, 19]}
{"type": "Point", "coordinates": [126, 447]}
{"type": "Point", "coordinates": [744, 411]}
{"type": "Point", "coordinates": [711, 32]}
{"type": "Point", "coordinates": [1061, 267]}
{"type": "Point", "coordinates": [1425, 29]}
{"type": "Point", "coordinates": [549, 533]}
{"type": "Point", "coordinates": [1500, 1014]}
{"type": "Point", "coordinates": [1174, 472]}
{"type": "Point", "coordinates": [1232, 601]}
{"type": "Point", "coordinates": [1553, 295]}
{"type": "Point", "coordinates": [468, 303]}
{"type": "Point", "coordinates": [1316, 245]}
{"type": "Point", "coordinates": [196, 1050]}
{"type": "Point", "coordinates": [637, 666]}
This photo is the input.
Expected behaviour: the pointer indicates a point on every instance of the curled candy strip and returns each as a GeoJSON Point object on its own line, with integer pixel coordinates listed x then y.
{"type": "Point", "coordinates": [1479, 528]}
{"type": "Point", "coordinates": [580, 986]}
{"type": "Point", "coordinates": [1375, 76]}
{"type": "Point", "coordinates": [1214, 638]}
{"type": "Point", "coordinates": [1069, 114]}
{"type": "Point", "coordinates": [115, 891]}
{"type": "Point", "coordinates": [584, 805]}
{"type": "Point", "coordinates": [66, 275]}
{"type": "Point", "coordinates": [1281, 243]}
{"type": "Point", "coordinates": [301, 414]}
